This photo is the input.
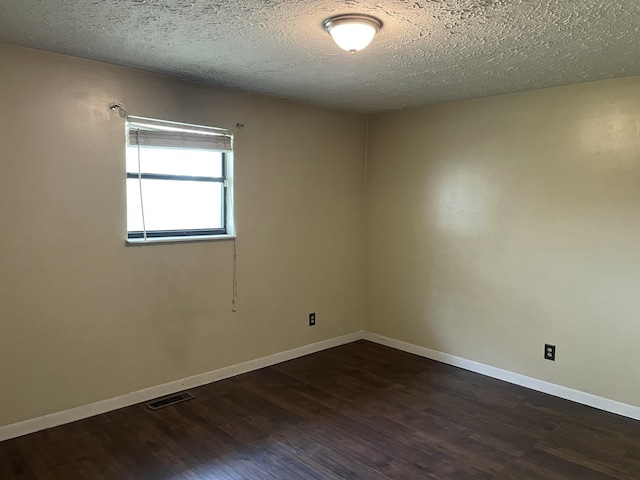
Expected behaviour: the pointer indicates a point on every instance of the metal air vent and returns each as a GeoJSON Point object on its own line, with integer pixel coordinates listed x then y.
{"type": "Point", "coordinates": [170, 400]}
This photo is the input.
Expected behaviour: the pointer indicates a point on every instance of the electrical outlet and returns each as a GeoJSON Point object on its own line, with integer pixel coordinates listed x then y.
{"type": "Point", "coordinates": [550, 352]}
{"type": "Point", "coordinates": [312, 319]}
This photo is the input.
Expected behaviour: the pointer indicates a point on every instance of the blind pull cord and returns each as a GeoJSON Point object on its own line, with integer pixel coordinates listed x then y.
{"type": "Point", "coordinates": [234, 299]}
{"type": "Point", "coordinates": [144, 225]}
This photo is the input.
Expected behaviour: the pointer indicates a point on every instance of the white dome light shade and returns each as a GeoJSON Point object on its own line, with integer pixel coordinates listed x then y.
{"type": "Point", "coordinates": [352, 32]}
{"type": "Point", "coordinates": [352, 36]}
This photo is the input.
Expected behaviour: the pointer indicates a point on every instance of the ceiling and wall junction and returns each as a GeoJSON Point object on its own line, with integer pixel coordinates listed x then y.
{"type": "Point", "coordinates": [428, 52]}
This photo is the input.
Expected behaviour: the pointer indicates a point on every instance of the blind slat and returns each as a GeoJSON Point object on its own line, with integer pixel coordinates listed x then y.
{"type": "Point", "coordinates": [157, 138]}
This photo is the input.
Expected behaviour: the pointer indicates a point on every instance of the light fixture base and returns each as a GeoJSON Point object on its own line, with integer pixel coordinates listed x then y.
{"type": "Point", "coordinates": [352, 17]}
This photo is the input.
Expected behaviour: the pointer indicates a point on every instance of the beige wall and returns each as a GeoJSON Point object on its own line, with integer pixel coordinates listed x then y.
{"type": "Point", "coordinates": [499, 224]}
{"type": "Point", "coordinates": [493, 226]}
{"type": "Point", "coordinates": [84, 318]}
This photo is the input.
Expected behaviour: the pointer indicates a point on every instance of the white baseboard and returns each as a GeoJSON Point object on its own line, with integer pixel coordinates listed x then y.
{"type": "Point", "coordinates": [85, 411]}
{"type": "Point", "coordinates": [103, 406]}
{"type": "Point", "coordinates": [577, 396]}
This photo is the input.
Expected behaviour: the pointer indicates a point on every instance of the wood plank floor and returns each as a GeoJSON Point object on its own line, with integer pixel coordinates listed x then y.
{"type": "Point", "coordinates": [356, 411]}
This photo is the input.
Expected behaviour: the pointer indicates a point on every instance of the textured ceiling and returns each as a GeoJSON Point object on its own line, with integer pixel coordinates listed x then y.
{"type": "Point", "coordinates": [428, 51]}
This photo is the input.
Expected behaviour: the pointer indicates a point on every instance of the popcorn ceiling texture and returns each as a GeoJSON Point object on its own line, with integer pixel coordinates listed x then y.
{"type": "Point", "coordinates": [428, 51]}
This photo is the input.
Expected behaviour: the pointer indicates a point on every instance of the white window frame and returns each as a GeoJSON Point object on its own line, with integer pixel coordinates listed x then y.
{"type": "Point", "coordinates": [141, 131]}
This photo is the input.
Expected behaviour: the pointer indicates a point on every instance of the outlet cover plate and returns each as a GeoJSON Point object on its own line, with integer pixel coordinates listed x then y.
{"type": "Point", "coordinates": [550, 352]}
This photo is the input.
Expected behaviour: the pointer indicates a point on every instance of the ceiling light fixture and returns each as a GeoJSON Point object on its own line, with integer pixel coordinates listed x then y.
{"type": "Point", "coordinates": [352, 31]}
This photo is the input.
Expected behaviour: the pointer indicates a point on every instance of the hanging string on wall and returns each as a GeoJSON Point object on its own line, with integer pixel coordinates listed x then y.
{"type": "Point", "coordinates": [234, 299]}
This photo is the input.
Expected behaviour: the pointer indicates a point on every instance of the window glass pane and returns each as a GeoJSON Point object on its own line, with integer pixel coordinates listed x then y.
{"type": "Point", "coordinates": [175, 161]}
{"type": "Point", "coordinates": [134, 210]}
{"type": "Point", "coordinates": [177, 205]}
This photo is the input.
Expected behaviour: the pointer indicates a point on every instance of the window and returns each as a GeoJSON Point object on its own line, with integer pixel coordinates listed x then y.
{"type": "Point", "coordinates": [178, 181]}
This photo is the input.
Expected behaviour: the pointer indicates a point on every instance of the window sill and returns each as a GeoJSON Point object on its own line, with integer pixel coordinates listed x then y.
{"type": "Point", "coordinates": [198, 238]}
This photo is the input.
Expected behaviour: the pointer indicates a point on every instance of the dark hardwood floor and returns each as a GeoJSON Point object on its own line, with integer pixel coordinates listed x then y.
{"type": "Point", "coordinates": [356, 411]}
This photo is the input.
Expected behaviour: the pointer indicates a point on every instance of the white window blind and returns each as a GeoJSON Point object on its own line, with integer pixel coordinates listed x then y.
{"type": "Point", "coordinates": [159, 138]}
{"type": "Point", "coordinates": [152, 133]}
